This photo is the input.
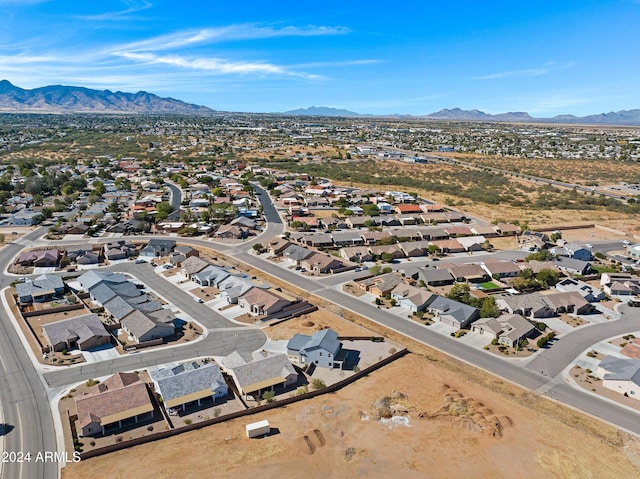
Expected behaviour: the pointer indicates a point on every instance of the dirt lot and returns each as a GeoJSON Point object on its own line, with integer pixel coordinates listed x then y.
{"type": "Point", "coordinates": [452, 428]}
{"type": "Point", "coordinates": [309, 323]}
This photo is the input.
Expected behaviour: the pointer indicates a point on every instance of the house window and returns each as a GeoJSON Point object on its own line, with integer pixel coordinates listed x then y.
{"type": "Point", "coordinates": [320, 353]}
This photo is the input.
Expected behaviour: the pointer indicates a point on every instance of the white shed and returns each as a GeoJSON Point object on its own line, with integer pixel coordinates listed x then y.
{"type": "Point", "coordinates": [257, 429]}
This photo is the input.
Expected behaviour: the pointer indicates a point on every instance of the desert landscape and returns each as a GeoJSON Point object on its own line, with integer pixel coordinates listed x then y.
{"type": "Point", "coordinates": [410, 419]}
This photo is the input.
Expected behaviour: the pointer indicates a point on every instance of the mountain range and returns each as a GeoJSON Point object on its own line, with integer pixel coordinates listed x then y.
{"type": "Point", "coordinates": [623, 117]}
{"type": "Point", "coordinates": [71, 99]}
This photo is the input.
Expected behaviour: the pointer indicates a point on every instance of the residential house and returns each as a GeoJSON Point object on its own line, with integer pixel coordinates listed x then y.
{"type": "Point", "coordinates": [569, 302]}
{"type": "Point", "coordinates": [571, 265]}
{"type": "Point", "coordinates": [391, 249]}
{"type": "Point", "coordinates": [620, 284]}
{"type": "Point", "coordinates": [145, 327]}
{"type": "Point", "coordinates": [43, 288]}
{"type": "Point", "coordinates": [507, 229]}
{"type": "Point", "coordinates": [277, 245]}
{"type": "Point", "coordinates": [82, 332]}
{"type": "Point", "coordinates": [295, 254]}
{"type": "Point", "coordinates": [452, 312]}
{"type": "Point", "coordinates": [261, 372]}
{"type": "Point", "coordinates": [436, 277]}
{"type": "Point", "coordinates": [488, 231]}
{"type": "Point", "coordinates": [530, 305]}
{"type": "Point", "coordinates": [508, 329]}
{"type": "Point", "coordinates": [234, 287]}
{"type": "Point", "coordinates": [449, 246]}
{"type": "Point", "coordinates": [356, 254]}
{"type": "Point", "coordinates": [380, 285]}
{"type": "Point", "coordinates": [472, 243]}
{"type": "Point", "coordinates": [588, 292]}
{"type": "Point", "coordinates": [373, 237]}
{"type": "Point", "coordinates": [413, 249]}
{"type": "Point", "coordinates": [120, 400]}
{"type": "Point", "coordinates": [39, 258]}
{"type": "Point", "coordinates": [620, 375]}
{"type": "Point", "coordinates": [347, 238]}
{"type": "Point", "coordinates": [188, 383]}
{"type": "Point", "coordinates": [262, 302]}
{"type": "Point", "coordinates": [117, 250]}
{"type": "Point", "coordinates": [579, 251]}
{"type": "Point", "coordinates": [501, 269]}
{"type": "Point", "coordinates": [158, 247]}
{"type": "Point", "coordinates": [473, 273]}
{"type": "Point", "coordinates": [410, 297]}
{"type": "Point", "coordinates": [193, 265]}
{"type": "Point", "coordinates": [322, 349]}
{"type": "Point", "coordinates": [72, 228]}
{"type": "Point", "coordinates": [319, 263]}
{"type": "Point", "coordinates": [455, 231]}
{"type": "Point", "coordinates": [230, 231]}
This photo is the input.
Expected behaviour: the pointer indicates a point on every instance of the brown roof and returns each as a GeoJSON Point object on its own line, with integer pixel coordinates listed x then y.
{"type": "Point", "coordinates": [111, 405]}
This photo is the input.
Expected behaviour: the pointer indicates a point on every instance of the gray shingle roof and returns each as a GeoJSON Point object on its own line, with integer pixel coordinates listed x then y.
{"type": "Point", "coordinates": [79, 328]}
{"type": "Point", "coordinates": [263, 369]}
{"type": "Point", "coordinates": [185, 379]}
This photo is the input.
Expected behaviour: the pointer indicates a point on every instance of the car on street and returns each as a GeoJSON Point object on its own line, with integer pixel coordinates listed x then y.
{"type": "Point", "coordinates": [198, 300]}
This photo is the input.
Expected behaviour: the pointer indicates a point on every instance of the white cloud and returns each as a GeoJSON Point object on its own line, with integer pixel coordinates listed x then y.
{"type": "Point", "coordinates": [247, 31]}
{"type": "Point", "coordinates": [135, 6]}
{"type": "Point", "coordinates": [214, 65]}
{"type": "Point", "coordinates": [531, 72]}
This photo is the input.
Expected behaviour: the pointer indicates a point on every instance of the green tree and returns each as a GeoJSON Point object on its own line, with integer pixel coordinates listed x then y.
{"type": "Point", "coordinates": [163, 210]}
{"type": "Point", "coordinates": [547, 277]}
{"type": "Point", "coordinates": [489, 308]}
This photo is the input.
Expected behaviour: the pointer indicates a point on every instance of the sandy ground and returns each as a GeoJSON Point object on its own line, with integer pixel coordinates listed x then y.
{"type": "Point", "coordinates": [452, 429]}
{"type": "Point", "coordinates": [309, 323]}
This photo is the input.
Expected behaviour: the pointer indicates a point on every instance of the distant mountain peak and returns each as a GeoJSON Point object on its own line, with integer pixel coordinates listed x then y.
{"type": "Point", "coordinates": [321, 111]}
{"type": "Point", "coordinates": [72, 99]}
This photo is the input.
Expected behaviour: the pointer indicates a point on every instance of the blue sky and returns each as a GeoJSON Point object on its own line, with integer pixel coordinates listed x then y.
{"type": "Point", "coordinates": [415, 57]}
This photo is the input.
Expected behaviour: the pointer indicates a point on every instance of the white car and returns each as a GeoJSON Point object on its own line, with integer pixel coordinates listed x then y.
{"type": "Point", "coordinates": [625, 242]}
{"type": "Point", "coordinates": [198, 300]}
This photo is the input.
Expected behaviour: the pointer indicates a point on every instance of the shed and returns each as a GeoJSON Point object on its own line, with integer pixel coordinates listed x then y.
{"type": "Point", "coordinates": [257, 429]}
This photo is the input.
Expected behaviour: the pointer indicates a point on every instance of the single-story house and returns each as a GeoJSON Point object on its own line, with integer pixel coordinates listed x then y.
{"type": "Point", "coordinates": [42, 257]}
{"type": "Point", "coordinates": [119, 400]}
{"type": "Point", "coordinates": [82, 332]}
{"type": "Point", "coordinates": [261, 372]}
{"type": "Point", "coordinates": [620, 375]}
{"type": "Point", "coordinates": [43, 288]}
{"type": "Point", "coordinates": [145, 327]}
{"type": "Point", "coordinates": [187, 383]}
{"type": "Point", "coordinates": [507, 329]}
{"type": "Point", "coordinates": [435, 277]}
{"type": "Point", "coordinates": [262, 302]}
{"type": "Point", "coordinates": [412, 298]}
{"type": "Point", "coordinates": [588, 292]}
{"type": "Point", "coordinates": [452, 312]}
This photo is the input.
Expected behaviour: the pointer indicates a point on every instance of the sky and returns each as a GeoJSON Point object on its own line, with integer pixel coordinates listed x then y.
{"type": "Point", "coordinates": [545, 57]}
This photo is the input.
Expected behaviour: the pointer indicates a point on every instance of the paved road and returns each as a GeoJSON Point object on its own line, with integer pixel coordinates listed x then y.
{"type": "Point", "coordinates": [175, 201]}
{"type": "Point", "coordinates": [23, 397]}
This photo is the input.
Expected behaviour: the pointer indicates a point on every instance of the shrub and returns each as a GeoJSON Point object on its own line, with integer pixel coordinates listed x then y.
{"type": "Point", "coordinates": [188, 421]}
{"type": "Point", "coordinates": [318, 384]}
{"type": "Point", "coordinates": [268, 396]}
{"type": "Point", "coordinates": [150, 427]}
{"type": "Point", "coordinates": [91, 382]}
{"type": "Point", "coordinates": [494, 341]}
{"type": "Point", "coordinates": [119, 439]}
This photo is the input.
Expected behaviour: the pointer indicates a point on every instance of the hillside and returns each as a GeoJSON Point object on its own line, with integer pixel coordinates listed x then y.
{"type": "Point", "coordinates": [71, 99]}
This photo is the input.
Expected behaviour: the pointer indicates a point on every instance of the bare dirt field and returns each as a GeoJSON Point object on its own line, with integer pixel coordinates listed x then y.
{"type": "Point", "coordinates": [444, 427]}
{"type": "Point", "coordinates": [309, 323]}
